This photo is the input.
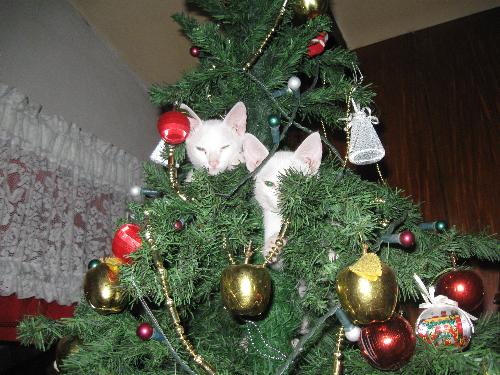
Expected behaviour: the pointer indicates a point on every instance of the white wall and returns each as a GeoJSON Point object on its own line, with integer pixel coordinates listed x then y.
{"type": "Point", "coordinates": [52, 55]}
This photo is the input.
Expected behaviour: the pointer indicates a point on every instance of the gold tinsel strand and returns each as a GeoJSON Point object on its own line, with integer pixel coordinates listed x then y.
{"type": "Point", "coordinates": [267, 39]}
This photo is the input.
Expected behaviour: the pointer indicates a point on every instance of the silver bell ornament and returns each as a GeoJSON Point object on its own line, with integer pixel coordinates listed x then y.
{"type": "Point", "coordinates": [364, 146]}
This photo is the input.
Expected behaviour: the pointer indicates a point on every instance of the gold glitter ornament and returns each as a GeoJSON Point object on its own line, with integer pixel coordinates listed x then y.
{"type": "Point", "coordinates": [102, 289]}
{"type": "Point", "coordinates": [367, 290]}
{"type": "Point", "coordinates": [246, 289]}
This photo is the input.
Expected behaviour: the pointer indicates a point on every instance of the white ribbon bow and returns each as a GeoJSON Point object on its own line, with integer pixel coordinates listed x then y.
{"type": "Point", "coordinates": [439, 301]}
{"type": "Point", "coordinates": [365, 112]}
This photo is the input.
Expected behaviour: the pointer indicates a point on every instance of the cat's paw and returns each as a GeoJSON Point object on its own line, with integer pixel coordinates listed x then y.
{"type": "Point", "coordinates": [332, 256]}
{"type": "Point", "coordinates": [237, 160]}
{"type": "Point", "coordinates": [304, 327]}
{"type": "Point", "coordinates": [189, 176]}
{"type": "Point", "coordinates": [302, 288]}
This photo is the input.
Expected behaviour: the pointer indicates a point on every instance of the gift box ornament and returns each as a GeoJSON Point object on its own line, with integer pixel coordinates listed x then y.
{"type": "Point", "coordinates": [444, 330]}
{"type": "Point", "coordinates": [443, 323]}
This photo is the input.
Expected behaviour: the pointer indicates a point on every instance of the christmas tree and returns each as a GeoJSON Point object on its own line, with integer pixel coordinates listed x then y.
{"type": "Point", "coordinates": [189, 289]}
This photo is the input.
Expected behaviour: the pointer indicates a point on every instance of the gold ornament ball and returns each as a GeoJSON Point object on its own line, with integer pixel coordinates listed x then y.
{"type": "Point", "coordinates": [311, 8]}
{"type": "Point", "coordinates": [66, 346]}
{"type": "Point", "coordinates": [246, 289]}
{"type": "Point", "coordinates": [102, 290]}
{"type": "Point", "coordinates": [368, 300]}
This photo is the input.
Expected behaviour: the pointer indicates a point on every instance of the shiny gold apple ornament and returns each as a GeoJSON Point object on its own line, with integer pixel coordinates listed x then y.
{"type": "Point", "coordinates": [102, 289]}
{"type": "Point", "coordinates": [367, 290]}
{"type": "Point", "coordinates": [311, 8]}
{"type": "Point", "coordinates": [246, 289]}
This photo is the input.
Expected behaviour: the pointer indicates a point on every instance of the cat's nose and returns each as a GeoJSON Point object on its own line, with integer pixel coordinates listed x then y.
{"type": "Point", "coordinates": [213, 163]}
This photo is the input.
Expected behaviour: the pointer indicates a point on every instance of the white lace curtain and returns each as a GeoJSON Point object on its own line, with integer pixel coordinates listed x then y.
{"type": "Point", "coordinates": [61, 193]}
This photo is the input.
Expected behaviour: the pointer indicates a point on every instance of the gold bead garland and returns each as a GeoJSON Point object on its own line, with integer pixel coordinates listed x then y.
{"type": "Point", "coordinates": [346, 129]}
{"type": "Point", "coordinates": [174, 315]}
{"type": "Point", "coordinates": [381, 178]}
{"type": "Point", "coordinates": [229, 255]}
{"type": "Point", "coordinates": [172, 174]}
{"type": "Point", "coordinates": [267, 39]}
{"type": "Point", "coordinates": [338, 367]}
{"type": "Point", "coordinates": [323, 127]}
{"type": "Point", "coordinates": [278, 244]}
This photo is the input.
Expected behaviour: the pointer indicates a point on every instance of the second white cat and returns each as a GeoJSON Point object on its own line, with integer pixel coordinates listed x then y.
{"type": "Point", "coordinates": [306, 159]}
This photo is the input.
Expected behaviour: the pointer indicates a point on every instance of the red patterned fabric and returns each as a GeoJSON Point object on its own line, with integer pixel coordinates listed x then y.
{"type": "Point", "coordinates": [13, 309]}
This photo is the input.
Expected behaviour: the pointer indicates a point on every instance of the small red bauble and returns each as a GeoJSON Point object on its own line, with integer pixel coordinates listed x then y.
{"type": "Point", "coordinates": [144, 331]}
{"type": "Point", "coordinates": [407, 238]}
{"type": "Point", "coordinates": [173, 127]}
{"type": "Point", "coordinates": [388, 345]}
{"type": "Point", "coordinates": [126, 241]}
{"type": "Point", "coordinates": [178, 225]}
{"type": "Point", "coordinates": [464, 287]}
{"type": "Point", "coordinates": [195, 51]}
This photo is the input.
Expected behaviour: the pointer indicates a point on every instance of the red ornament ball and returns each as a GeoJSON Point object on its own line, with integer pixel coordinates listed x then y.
{"type": "Point", "coordinates": [388, 345]}
{"type": "Point", "coordinates": [144, 331]}
{"type": "Point", "coordinates": [195, 51]}
{"type": "Point", "coordinates": [462, 286]}
{"type": "Point", "coordinates": [173, 127]}
{"type": "Point", "coordinates": [126, 241]}
{"type": "Point", "coordinates": [407, 238]}
{"type": "Point", "coordinates": [178, 225]}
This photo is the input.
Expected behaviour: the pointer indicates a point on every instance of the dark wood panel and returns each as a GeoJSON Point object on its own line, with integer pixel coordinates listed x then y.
{"type": "Point", "coordinates": [438, 98]}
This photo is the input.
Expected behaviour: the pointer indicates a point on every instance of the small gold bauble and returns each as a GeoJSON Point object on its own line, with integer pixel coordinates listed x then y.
{"type": "Point", "coordinates": [367, 299]}
{"type": "Point", "coordinates": [66, 346]}
{"type": "Point", "coordinates": [311, 8]}
{"type": "Point", "coordinates": [102, 290]}
{"type": "Point", "coordinates": [246, 289]}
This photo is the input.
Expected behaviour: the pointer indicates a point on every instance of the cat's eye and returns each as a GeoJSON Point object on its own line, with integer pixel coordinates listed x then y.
{"type": "Point", "coordinates": [200, 149]}
{"type": "Point", "coordinates": [224, 147]}
{"type": "Point", "coordinates": [269, 183]}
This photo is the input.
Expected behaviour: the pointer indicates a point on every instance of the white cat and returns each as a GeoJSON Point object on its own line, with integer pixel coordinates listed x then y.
{"type": "Point", "coordinates": [306, 159]}
{"type": "Point", "coordinates": [216, 145]}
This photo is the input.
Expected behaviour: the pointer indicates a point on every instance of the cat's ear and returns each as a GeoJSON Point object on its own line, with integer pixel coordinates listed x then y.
{"type": "Point", "coordinates": [310, 152]}
{"type": "Point", "coordinates": [237, 118]}
{"type": "Point", "coordinates": [254, 151]}
{"type": "Point", "coordinates": [194, 120]}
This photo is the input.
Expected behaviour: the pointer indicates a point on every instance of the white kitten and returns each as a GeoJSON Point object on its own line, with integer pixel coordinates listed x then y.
{"type": "Point", "coordinates": [306, 159]}
{"type": "Point", "coordinates": [216, 145]}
